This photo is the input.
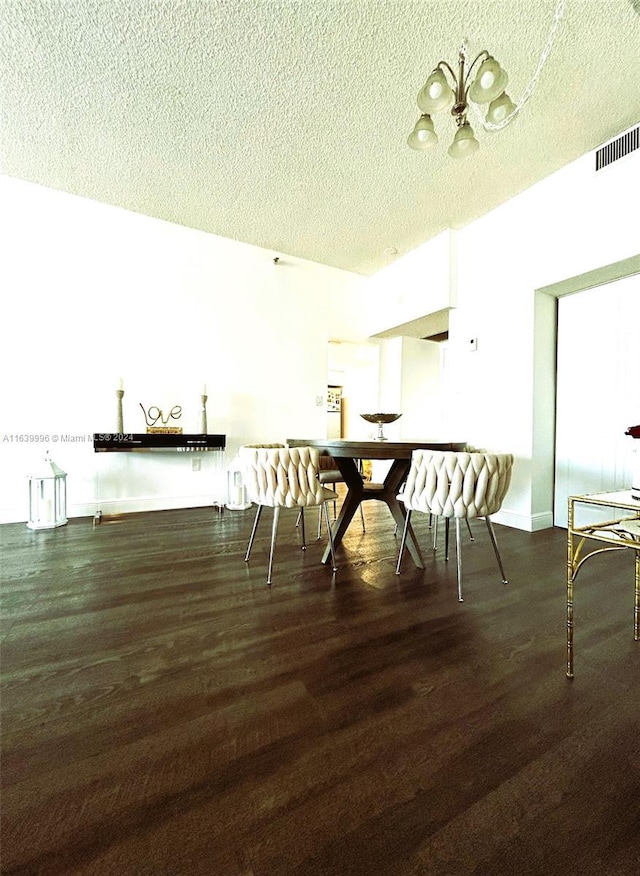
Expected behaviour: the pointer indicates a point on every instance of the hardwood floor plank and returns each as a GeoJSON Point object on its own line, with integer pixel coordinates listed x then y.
{"type": "Point", "coordinates": [165, 712]}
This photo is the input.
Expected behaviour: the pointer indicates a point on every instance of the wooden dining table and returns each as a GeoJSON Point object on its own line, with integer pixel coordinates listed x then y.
{"type": "Point", "coordinates": [347, 453]}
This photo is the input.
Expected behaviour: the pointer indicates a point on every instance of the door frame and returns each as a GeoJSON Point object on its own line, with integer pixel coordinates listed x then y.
{"type": "Point", "coordinates": [543, 456]}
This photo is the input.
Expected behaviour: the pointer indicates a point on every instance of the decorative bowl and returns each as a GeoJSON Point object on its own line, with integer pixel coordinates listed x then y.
{"type": "Point", "coordinates": [381, 420]}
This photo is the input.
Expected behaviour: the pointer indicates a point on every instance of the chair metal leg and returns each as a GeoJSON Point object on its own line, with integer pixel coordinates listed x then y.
{"type": "Point", "coordinates": [301, 516]}
{"type": "Point", "coordinates": [328, 524]}
{"type": "Point", "coordinates": [495, 548]}
{"type": "Point", "coordinates": [433, 524]}
{"type": "Point", "coordinates": [403, 542]}
{"type": "Point", "coordinates": [458, 558]}
{"type": "Point", "coordinates": [253, 532]}
{"type": "Point", "coordinates": [274, 530]}
{"type": "Point", "coordinates": [446, 538]}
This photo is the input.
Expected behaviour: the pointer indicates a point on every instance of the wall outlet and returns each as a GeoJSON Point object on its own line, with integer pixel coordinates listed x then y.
{"type": "Point", "coordinates": [319, 401]}
{"type": "Point", "coordinates": [196, 464]}
{"type": "Point", "coordinates": [473, 344]}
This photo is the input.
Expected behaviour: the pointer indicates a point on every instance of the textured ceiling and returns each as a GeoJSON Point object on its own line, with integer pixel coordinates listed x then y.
{"type": "Point", "coordinates": [283, 123]}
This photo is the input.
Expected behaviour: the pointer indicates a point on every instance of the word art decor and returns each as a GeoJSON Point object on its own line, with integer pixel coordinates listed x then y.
{"type": "Point", "coordinates": [154, 414]}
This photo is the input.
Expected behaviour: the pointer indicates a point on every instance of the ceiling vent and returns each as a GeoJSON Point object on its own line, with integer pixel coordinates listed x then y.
{"type": "Point", "coordinates": [618, 148]}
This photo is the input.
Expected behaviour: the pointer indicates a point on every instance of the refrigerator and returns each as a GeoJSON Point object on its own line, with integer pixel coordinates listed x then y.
{"type": "Point", "coordinates": [334, 412]}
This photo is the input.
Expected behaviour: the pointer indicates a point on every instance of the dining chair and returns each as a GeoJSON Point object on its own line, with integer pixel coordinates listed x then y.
{"type": "Point", "coordinates": [300, 516]}
{"type": "Point", "coordinates": [284, 477]}
{"type": "Point", "coordinates": [329, 474]}
{"type": "Point", "coordinates": [457, 485]}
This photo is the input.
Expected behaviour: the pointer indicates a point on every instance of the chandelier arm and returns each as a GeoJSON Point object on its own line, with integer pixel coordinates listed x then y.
{"type": "Point", "coordinates": [444, 66]}
{"type": "Point", "coordinates": [482, 55]}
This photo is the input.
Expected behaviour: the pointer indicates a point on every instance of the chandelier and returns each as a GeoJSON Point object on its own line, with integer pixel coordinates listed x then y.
{"type": "Point", "coordinates": [487, 87]}
{"type": "Point", "coordinates": [474, 85]}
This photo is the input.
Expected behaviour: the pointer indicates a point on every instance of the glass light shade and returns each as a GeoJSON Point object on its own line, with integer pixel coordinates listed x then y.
{"type": "Point", "coordinates": [464, 142]}
{"type": "Point", "coordinates": [500, 108]}
{"type": "Point", "coordinates": [423, 135]}
{"type": "Point", "coordinates": [491, 80]}
{"type": "Point", "coordinates": [436, 94]}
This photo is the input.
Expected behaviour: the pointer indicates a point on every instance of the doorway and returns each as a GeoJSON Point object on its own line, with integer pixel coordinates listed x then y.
{"type": "Point", "coordinates": [597, 390]}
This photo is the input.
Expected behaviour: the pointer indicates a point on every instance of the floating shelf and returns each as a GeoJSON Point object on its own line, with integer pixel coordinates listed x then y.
{"type": "Point", "coordinates": [105, 442]}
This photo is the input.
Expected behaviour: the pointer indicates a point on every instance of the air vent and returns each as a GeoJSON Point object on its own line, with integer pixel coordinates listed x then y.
{"type": "Point", "coordinates": [618, 148]}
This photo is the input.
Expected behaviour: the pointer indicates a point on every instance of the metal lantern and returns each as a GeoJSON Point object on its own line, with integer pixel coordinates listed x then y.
{"type": "Point", "coordinates": [237, 499]}
{"type": "Point", "coordinates": [47, 496]}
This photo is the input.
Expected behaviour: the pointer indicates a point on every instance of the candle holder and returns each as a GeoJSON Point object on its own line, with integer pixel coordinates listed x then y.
{"type": "Point", "coordinates": [203, 414]}
{"type": "Point", "coordinates": [119, 418]}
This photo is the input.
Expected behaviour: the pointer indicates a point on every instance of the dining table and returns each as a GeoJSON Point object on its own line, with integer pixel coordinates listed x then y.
{"type": "Point", "coordinates": [348, 453]}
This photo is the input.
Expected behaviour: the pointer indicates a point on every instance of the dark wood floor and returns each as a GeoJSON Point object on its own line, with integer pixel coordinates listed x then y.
{"type": "Point", "coordinates": [165, 713]}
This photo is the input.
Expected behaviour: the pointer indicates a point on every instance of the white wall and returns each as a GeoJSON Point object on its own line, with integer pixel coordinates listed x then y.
{"type": "Point", "coordinates": [92, 293]}
{"type": "Point", "coordinates": [421, 400]}
{"type": "Point", "coordinates": [421, 282]}
{"type": "Point", "coordinates": [570, 223]}
{"type": "Point", "coordinates": [355, 367]}
{"type": "Point", "coordinates": [501, 395]}
{"type": "Point", "coordinates": [410, 384]}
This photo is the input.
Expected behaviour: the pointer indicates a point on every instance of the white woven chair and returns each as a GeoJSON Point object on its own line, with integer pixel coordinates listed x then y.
{"type": "Point", "coordinates": [285, 477]}
{"type": "Point", "coordinates": [458, 485]}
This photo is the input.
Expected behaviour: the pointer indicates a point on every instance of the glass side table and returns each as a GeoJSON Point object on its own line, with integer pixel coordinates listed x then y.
{"type": "Point", "coordinates": [619, 533]}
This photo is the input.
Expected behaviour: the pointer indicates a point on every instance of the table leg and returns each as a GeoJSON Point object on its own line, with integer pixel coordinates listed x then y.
{"type": "Point", "coordinates": [357, 492]}
{"type": "Point", "coordinates": [636, 609]}
{"type": "Point", "coordinates": [349, 471]}
{"type": "Point", "coordinates": [570, 590]}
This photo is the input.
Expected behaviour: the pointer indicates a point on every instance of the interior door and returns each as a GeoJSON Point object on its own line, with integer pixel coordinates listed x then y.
{"type": "Point", "coordinates": [598, 390]}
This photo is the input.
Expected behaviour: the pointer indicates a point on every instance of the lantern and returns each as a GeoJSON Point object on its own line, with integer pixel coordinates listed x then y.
{"type": "Point", "coordinates": [47, 496]}
{"type": "Point", "coordinates": [237, 499]}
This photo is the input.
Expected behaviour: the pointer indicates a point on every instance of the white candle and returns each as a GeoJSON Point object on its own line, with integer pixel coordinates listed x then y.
{"type": "Point", "coordinates": [120, 383]}
{"type": "Point", "coordinates": [204, 389]}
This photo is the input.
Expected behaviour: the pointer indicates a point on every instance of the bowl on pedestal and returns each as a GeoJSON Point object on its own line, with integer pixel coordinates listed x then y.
{"type": "Point", "coordinates": [380, 420]}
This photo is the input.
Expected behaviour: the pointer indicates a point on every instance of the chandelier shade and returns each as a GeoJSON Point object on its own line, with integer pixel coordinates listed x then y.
{"type": "Point", "coordinates": [464, 142]}
{"type": "Point", "coordinates": [436, 94]}
{"type": "Point", "coordinates": [500, 109]}
{"type": "Point", "coordinates": [423, 135]}
{"type": "Point", "coordinates": [491, 80]}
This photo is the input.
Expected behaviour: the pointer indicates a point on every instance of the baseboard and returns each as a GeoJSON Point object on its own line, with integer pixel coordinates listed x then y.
{"type": "Point", "coordinates": [530, 523]}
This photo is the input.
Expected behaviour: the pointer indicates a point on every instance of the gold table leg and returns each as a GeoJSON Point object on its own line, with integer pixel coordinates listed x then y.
{"type": "Point", "coordinates": [570, 589]}
{"type": "Point", "coordinates": [636, 609]}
